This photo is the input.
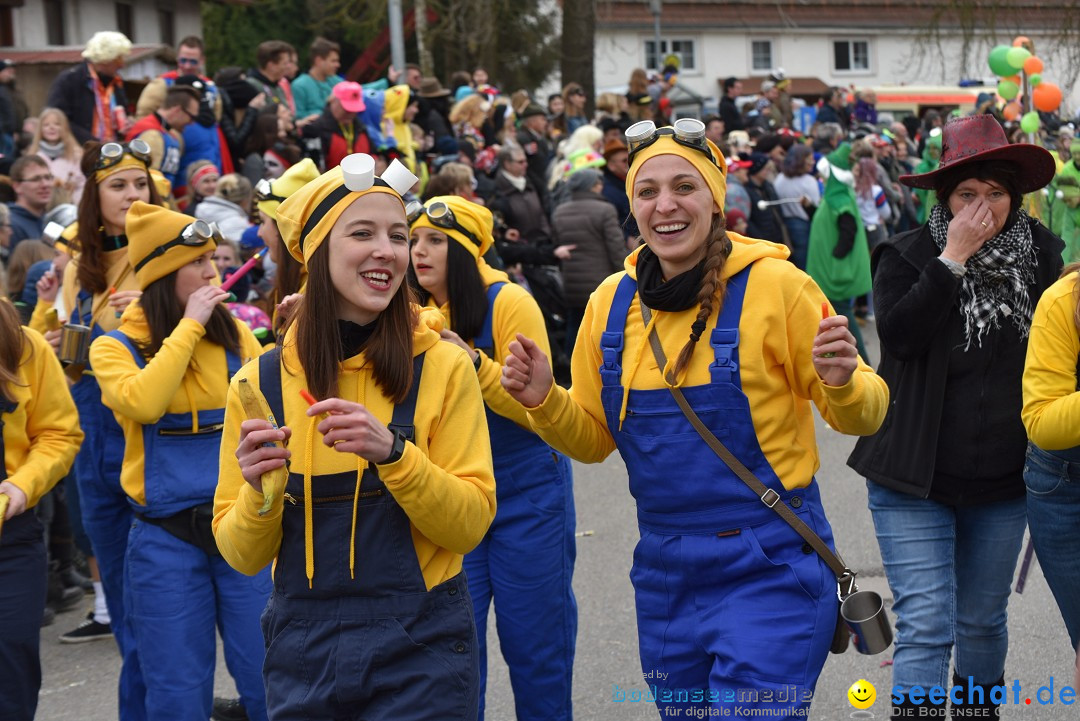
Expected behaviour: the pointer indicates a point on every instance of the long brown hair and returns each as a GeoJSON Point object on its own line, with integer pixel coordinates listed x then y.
{"type": "Point", "coordinates": [287, 279]}
{"type": "Point", "coordinates": [717, 250]}
{"type": "Point", "coordinates": [91, 237]}
{"type": "Point", "coordinates": [318, 339]}
{"type": "Point", "coordinates": [12, 343]}
{"type": "Point", "coordinates": [164, 312]}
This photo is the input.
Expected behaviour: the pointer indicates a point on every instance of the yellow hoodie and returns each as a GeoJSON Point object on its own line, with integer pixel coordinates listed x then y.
{"type": "Point", "coordinates": [118, 274]}
{"type": "Point", "coordinates": [515, 312]}
{"type": "Point", "coordinates": [42, 434]}
{"type": "Point", "coordinates": [780, 317]}
{"type": "Point", "coordinates": [189, 373]}
{"type": "Point", "coordinates": [443, 481]}
{"type": "Point", "coordinates": [394, 123]}
{"type": "Point", "coordinates": [1051, 411]}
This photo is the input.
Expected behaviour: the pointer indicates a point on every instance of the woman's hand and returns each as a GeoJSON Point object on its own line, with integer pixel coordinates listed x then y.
{"type": "Point", "coordinates": [351, 428]}
{"type": "Point", "coordinates": [288, 304]}
{"type": "Point", "coordinates": [834, 337]}
{"type": "Point", "coordinates": [563, 252]}
{"type": "Point", "coordinates": [527, 373]}
{"type": "Point", "coordinates": [254, 457]}
{"type": "Point", "coordinates": [52, 337]}
{"type": "Point", "coordinates": [451, 337]}
{"type": "Point", "coordinates": [969, 230]}
{"type": "Point", "coordinates": [17, 502]}
{"type": "Point", "coordinates": [121, 299]}
{"type": "Point", "coordinates": [201, 303]}
{"type": "Point", "coordinates": [48, 286]}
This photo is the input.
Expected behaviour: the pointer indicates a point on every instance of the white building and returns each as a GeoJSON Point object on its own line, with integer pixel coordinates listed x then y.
{"type": "Point", "coordinates": [822, 43]}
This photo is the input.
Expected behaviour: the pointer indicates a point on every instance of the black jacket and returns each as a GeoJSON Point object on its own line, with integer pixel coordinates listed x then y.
{"type": "Point", "coordinates": [73, 93]}
{"type": "Point", "coordinates": [953, 431]}
{"type": "Point", "coordinates": [730, 114]}
{"type": "Point", "coordinates": [765, 223]}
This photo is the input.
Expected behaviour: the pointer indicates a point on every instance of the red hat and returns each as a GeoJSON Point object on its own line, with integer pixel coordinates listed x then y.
{"type": "Point", "coordinates": [733, 163]}
{"type": "Point", "coordinates": [351, 96]}
{"type": "Point", "coordinates": [977, 138]}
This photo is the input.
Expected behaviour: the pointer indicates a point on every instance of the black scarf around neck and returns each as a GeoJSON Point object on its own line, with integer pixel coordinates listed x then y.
{"type": "Point", "coordinates": [673, 295]}
{"type": "Point", "coordinates": [354, 337]}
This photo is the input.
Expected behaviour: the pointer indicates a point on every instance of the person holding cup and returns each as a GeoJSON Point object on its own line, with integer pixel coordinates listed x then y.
{"type": "Point", "coordinates": [729, 596]}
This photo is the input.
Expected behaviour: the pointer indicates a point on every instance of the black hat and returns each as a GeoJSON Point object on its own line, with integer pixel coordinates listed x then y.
{"type": "Point", "coordinates": [758, 162]}
{"type": "Point", "coordinates": [530, 110]}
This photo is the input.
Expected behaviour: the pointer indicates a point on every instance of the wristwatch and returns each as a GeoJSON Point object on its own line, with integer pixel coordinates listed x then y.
{"type": "Point", "coordinates": [397, 450]}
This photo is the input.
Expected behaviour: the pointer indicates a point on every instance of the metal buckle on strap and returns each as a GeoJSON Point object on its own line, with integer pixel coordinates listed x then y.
{"type": "Point", "coordinates": [848, 579]}
{"type": "Point", "coordinates": [770, 497]}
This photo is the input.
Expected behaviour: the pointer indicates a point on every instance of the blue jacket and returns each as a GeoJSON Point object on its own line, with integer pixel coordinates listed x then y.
{"type": "Point", "coordinates": [24, 224]}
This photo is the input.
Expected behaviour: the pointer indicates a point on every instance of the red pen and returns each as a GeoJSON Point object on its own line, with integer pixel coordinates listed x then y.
{"type": "Point", "coordinates": [311, 401]}
{"type": "Point", "coordinates": [112, 291]}
{"type": "Point", "coordinates": [825, 315]}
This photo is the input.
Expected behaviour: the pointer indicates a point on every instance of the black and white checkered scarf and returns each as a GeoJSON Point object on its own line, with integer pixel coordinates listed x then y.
{"type": "Point", "coordinates": [997, 278]}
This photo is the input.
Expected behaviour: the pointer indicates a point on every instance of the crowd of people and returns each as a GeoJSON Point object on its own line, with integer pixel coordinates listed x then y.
{"type": "Point", "coordinates": [440, 295]}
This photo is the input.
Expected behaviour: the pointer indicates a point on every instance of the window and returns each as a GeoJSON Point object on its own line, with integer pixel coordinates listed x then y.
{"type": "Point", "coordinates": [682, 48]}
{"type": "Point", "coordinates": [54, 22]}
{"type": "Point", "coordinates": [851, 55]}
{"type": "Point", "coordinates": [125, 20]}
{"type": "Point", "coordinates": [7, 23]}
{"type": "Point", "coordinates": [761, 58]}
{"type": "Point", "coordinates": [167, 27]}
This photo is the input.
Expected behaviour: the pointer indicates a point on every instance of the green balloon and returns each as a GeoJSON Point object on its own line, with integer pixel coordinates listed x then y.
{"type": "Point", "coordinates": [1034, 80]}
{"type": "Point", "coordinates": [1015, 57]}
{"type": "Point", "coordinates": [1030, 122]}
{"type": "Point", "coordinates": [1008, 89]}
{"type": "Point", "coordinates": [998, 63]}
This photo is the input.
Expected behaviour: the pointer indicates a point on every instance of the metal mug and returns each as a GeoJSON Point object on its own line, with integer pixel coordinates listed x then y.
{"type": "Point", "coordinates": [864, 613]}
{"type": "Point", "coordinates": [74, 344]}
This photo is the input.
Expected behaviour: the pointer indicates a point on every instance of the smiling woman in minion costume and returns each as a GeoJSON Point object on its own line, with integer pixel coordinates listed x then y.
{"type": "Point", "coordinates": [727, 598]}
{"type": "Point", "coordinates": [389, 473]}
{"type": "Point", "coordinates": [165, 374]}
{"type": "Point", "coordinates": [526, 561]}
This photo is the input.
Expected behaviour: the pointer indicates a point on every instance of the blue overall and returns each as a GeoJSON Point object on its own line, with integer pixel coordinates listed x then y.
{"type": "Point", "coordinates": [526, 563]}
{"type": "Point", "coordinates": [379, 646]}
{"type": "Point", "coordinates": [733, 609]}
{"type": "Point", "coordinates": [106, 515]}
{"type": "Point", "coordinates": [22, 603]}
{"type": "Point", "coordinates": [177, 593]}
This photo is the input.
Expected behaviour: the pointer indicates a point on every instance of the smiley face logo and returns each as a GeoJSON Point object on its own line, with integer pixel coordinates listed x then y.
{"type": "Point", "coordinates": [862, 694]}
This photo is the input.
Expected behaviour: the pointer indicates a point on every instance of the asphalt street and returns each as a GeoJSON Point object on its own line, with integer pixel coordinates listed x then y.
{"type": "Point", "coordinates": [80, 681]}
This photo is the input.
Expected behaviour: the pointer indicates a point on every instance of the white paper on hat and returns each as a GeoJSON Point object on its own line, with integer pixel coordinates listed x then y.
{"type": "Point", "coordinates": [358, 171]}
{"type": "Point", "coordinates": [52, 232]}
{"type": "Point", "coordinates": [398, 177]}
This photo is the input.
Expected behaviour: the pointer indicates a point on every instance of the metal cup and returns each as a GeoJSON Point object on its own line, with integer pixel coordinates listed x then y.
{"type": "Point", "coordinates": [74, 344]}
{"type": "Point", "coordinates": [864, 613]}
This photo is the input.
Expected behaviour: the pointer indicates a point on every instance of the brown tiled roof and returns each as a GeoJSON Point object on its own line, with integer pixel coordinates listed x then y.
{"type": "Point", "coordinates": [754, 15]}
{"type": "Point", "coordinates": [71, 56]}
{"type": "Point", "coordinates": [799, 86]}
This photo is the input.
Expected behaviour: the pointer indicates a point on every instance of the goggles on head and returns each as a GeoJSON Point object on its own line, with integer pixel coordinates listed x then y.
{"type": "Point", "coordinates": [113, 153]}
{"type": "Point", "coordinates": [194, 235]}
{"type": "Point", "coordinates": [441, 216]}
{"type": "Point", "coordinates": [689, 132]}
{"type": "Point", "coordinates": [264, 192]}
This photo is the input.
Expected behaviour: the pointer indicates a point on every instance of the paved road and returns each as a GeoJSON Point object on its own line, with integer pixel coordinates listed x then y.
{"type": "Point", "coordinates": [80, 681]}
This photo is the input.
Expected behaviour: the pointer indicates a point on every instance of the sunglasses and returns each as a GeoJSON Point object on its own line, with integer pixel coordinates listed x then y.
{"type": "Point", "coordinates": [187, 61]}
{"type": "Point", "coordinates": [194, 235]}
{"type": "Point", "coordinates": [264, 192]}
{"type": "Point", "coordinates": [440, 215]}
{"type": "Point", "coordinates": [688, 132]}
{"type": "Point", "coordinates": [112, 153]}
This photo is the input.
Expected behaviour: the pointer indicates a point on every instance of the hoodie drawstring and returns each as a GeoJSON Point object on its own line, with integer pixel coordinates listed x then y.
{"type": "Point", "coordinates": [627, 379]}
{"type": "Point", "coordinates": [361, 464]}
{"type": "Point", "coordinates": [191, 404]}
{"type": "Point", "coordinates": [309, 543]}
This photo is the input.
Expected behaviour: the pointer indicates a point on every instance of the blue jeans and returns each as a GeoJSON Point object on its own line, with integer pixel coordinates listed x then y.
{"type": "Point", "coordinates": [1053, 507]}
{"type": "Point", "coordinates": [950, 569]}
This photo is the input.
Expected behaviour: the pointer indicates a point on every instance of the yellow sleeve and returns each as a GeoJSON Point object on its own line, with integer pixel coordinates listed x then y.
{"type": "Point", "coordinates": [515, 312]}
{"type": "Point", "coordinates": [151, 98]}
{"type": "Point", "coordinates": [1051, 411]}
{"type": "Point", "coordinates": [52, 433]}
{"type": "Point", "coordinates": [247, 541]}
{"type": "Point", "coordinates": [573, 421]}
{"type": "Point", "coordinates": [37, 319]}
{"type": "Point", "coordinates": [144, 394]}
{"type": "Point", "coordinates": [449, 492]}
{"type": "Point", "coordinates": [856, 408]}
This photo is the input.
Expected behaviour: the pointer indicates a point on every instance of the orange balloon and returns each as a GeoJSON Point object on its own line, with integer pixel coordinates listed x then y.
{"type": "Point", "coordinates": [1011, 111]}
{"type": "Point", "coordinates": [1033, 65]}
{"type": "Point", "coordinates": [1046, 97]}
{"type": "Point", "coordinates": [1020, 41]}
{"type": "Point", "coordinates": [1013, 79]}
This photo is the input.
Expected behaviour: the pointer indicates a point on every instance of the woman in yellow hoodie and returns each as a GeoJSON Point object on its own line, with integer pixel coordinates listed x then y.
{"type": "Point", "coordinates": [165, 373]}
{"type": "Point", "coordinates": [526, 561]}
{"type": "Point", "coordinates": [389, 473]}
{"type": "Point", "coordinates": [735, 612]}
{"type": "Point", "coordinates": [39, 436]}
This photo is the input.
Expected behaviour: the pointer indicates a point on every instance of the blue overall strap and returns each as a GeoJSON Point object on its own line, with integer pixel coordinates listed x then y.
{"type": "Point", "coordinates": [6, 406]}
{"type": "Point", "coordinates": [405, 411]}
{"type": "Point", "coordinates": [611, 340]}
{"type": "Point", "coordinates": [485, 340]}
{"type": "Point", "coordinates": [83, 312]}
{"type": "Point", "coordinates": [725, 336]}
{"type": "Point", "coordinates": [270, 382]}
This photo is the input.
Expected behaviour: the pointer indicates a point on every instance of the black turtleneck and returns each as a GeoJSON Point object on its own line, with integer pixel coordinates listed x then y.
{"type": "Point", "coordinates": [354, 336]}
{"type": "Point", "coordinates": [114, 242]}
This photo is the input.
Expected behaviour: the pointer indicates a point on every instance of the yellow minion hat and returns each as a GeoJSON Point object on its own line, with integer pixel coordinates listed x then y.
{"type": "Point", "coordinates": [305, 218]}
{"type": "Point", "coordinates": [127, 162]}
{"type": "Point", "coordinates": [66, 241]}
{"type": "Point", "coordinates": [155, 248]}
{"type": "Point", "coordinates": [474, 218]}
{"type": "Point", "coordinates": [715, 174]}
{"type": "Point", "coordinates": [296, 177]}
